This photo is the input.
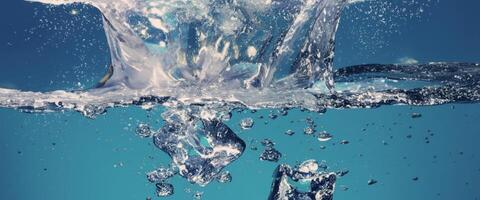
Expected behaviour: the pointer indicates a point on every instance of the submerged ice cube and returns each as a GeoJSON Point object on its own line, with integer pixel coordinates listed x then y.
{"type": "Point", "coordinates": [200, 148]}
{"type": "Point", "coordinates": [344, 142]}
{"type": "Point", "coordinates": [322, 185]}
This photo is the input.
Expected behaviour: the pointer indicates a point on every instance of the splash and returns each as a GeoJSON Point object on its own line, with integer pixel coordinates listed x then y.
{"type": "Point", "coordinates": [202, 58]}
{"type": "Point", "coordinates": [200, 49]}
{"type": "Point", "coordinates": [241, 53]}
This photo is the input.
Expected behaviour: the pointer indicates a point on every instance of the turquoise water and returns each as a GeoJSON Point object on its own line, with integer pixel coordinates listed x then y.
{"type": "Point", "coordinates": [81, 164]}
{"type": "Point", "coordinates": [67, 156]}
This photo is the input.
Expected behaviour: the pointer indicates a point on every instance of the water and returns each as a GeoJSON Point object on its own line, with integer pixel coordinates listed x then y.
{"type": "Point", "coordinates": [204, 89]}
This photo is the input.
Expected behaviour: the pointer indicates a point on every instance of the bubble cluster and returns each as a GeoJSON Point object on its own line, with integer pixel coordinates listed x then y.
{"type": "Point", "coordinates": [371, 22]}
{"type": "Point", "coordinates": [246, 123]}
{"type": "Point", "coordinates": [58, 27]}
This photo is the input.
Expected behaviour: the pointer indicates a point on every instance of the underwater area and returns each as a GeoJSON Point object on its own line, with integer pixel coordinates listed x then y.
{"type": "Point", "coordinates": [239, 99]}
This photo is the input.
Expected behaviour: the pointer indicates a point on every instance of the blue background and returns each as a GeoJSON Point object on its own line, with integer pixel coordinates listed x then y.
{"type": "Point", "coordinates": [66, 156]}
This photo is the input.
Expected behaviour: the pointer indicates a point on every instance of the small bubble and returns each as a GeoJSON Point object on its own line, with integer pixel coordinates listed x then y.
{"type": "Point", "coordinates": [310, 121]}
{"type": "Point", "coordinates": [270, 154]}
{"type": "Point", "coordinates": [246, 123]}
{"type": "Point", "coordinates": [74, 12]}
{"type": "Point", "coordinates": [143, 130]}
{"type": "Point", "coordinates": [283, 111]}
{"type": "Point", "coordinates": [344, 142]}
{"type": "Point", "coordinates": [324, 136]}
{"type": "Point", "coordinates": [197, 195]}
{"type": "Point", "coordinates": [289, 132]}
{"type": "Point", "coordinates": [272, 116]}
{"type": "Point", "coordinates": [342, 173]}
{"type": "Point", "coordinates": [164, 189]}
{"type": "Point", "coordinates": [268, 143]}
{"type": "Point", "coordinates": [309, 131]}
{"type": "Point", "coordinates": [416, 115]}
